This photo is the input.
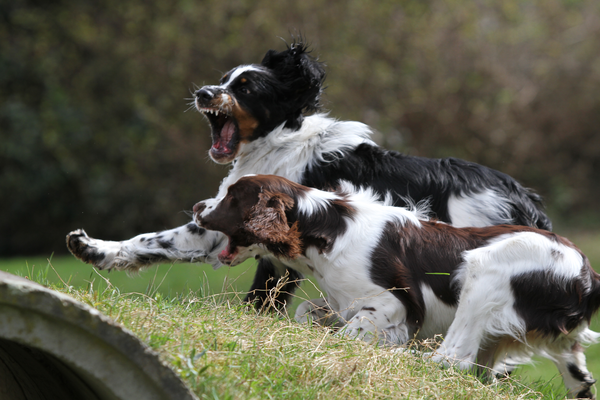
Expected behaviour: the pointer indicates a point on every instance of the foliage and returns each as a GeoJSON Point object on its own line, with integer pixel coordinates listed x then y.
{"type": "Point", "coordinates": [93, 131]}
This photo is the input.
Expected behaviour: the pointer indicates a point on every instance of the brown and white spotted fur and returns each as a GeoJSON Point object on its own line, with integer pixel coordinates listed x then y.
{"type": "Point", "coordinates": [497, 294]}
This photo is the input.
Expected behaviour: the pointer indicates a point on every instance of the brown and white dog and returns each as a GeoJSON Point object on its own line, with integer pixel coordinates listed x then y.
{"type": "Point", "coordinates": [498, 294]}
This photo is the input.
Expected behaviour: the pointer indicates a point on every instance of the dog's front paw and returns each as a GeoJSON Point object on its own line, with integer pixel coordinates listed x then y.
{"type": "Point", "coordinates": [318, 312]}
{"type": "Point", "coordinates": [77, 243]}
{"type": "Point", "coordinates": [448, 361]}
{"type": "Point", "coordinates": [91, 251]}
{"type": "Point", "coordinates": [359, 328]}
{"type": "Point", "coordinates": [306, 313]}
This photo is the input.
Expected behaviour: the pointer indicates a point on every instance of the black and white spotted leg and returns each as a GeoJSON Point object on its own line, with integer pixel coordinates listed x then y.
{"type": "Point", "coordinates": [188, 243]}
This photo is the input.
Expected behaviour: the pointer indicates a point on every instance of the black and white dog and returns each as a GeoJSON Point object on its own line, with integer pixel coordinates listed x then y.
{"type": "Point", "coordinates": [498, 294]}
{"type": "Point", "coordinates": [258, 122]}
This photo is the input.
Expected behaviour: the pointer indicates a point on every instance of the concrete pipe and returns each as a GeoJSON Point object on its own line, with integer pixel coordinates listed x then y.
{"type": "Point", "coordinates": [54, 347]}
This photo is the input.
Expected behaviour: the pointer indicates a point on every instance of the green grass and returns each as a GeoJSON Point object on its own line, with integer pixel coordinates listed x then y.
{"type": "Point", "coordinates": [223, 350]}
{"type": "Point", "coordinates": [192, 316]}
{"type": "Point", "coordinates": [168, 280]}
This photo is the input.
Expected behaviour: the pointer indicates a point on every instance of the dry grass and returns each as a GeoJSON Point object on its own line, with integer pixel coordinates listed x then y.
{"type": "Point", "coordinates": [224, 350]}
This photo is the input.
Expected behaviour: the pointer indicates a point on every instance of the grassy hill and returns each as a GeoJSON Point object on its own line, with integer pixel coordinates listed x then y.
{"type": "Point", "coordinates": [194, 318]}
{"type": "Point", "coordinates": [223, 350]}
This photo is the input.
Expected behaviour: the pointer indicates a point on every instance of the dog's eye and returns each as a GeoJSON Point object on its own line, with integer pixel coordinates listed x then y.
{"type": "Point", "coordinates": [244, 90]}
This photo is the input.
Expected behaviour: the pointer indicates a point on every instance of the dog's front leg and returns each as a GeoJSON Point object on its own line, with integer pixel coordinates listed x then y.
{"type": "Point", "coordinates": [382, 318]}
{"type": "Point", "coordinates": [274, 285]}
{"type": "Point", "coordinates": [188, 243]}
{"type": "Point", "coordinates": [318, 312]}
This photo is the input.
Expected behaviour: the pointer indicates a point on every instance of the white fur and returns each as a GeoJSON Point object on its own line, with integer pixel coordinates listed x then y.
{"type": "Point", "coordinates": [486, 303]}
{"type": "Point", "coordinates": [283, 152]}
{"type": "Point", "coordinates": [438, 315]}
{"type": "Point", "coordinates": [317, 200]}
{"type": "Point", "coordinates": [344, 273]}
{"type": "Point", "coordinates": [522, 252]}
{"type": "Point", "coordinates": [486, 306]}
{"type": "Point", "coordinates": [237, 72]}
{"type": "Point", "coordinates": [288, 153]}
{"type": "Point", "coordinates": [186, 247]}
{"type": "Point", "coordinates": [471, 210]}
{"type": "Point", "coordinates": [231, 77]}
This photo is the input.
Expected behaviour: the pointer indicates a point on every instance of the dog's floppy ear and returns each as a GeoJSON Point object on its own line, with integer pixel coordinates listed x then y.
{"type": "Point", "coordinates": [269, 225]}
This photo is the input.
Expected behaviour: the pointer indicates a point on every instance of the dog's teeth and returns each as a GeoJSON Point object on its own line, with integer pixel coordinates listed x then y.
{"type": "Point", "coordinates": [210, 111]}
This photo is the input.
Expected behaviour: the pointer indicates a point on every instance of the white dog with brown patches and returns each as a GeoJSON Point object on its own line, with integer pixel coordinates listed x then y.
{"type": "Point", "coordinates": [498, 294]}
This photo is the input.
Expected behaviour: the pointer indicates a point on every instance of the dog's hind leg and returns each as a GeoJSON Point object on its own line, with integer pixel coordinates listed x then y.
{"type": "Point", "coordinates": [188, 243]}
{"type": "Point", "coordinates": [461, 345]}
{"type": "Point", "coordinates": [481, 316]}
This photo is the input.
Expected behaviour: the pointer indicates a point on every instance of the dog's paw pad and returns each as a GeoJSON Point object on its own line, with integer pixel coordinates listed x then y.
{"type": "Point", "coordinates": [75, 240]}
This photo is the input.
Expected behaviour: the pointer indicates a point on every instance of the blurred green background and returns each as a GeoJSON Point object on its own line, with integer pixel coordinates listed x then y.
{"type": "Point", "coordinates": [96, 131]}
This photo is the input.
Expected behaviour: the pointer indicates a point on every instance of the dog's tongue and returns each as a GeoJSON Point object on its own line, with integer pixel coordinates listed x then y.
{"type": "Point", "coordinates": [228, 253]}
{"type": "Point", "coordinates": [222, 143]}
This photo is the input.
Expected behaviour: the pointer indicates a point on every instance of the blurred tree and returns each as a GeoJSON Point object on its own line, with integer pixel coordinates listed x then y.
{"type": "Point", "coordinates": [93, 94]}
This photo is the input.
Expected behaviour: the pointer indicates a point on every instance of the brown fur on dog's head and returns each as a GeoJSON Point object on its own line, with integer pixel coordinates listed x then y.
{"type": "Point", "coordinates": [268, 223]}
{"type": "Point", "coordinates": [254, 212]}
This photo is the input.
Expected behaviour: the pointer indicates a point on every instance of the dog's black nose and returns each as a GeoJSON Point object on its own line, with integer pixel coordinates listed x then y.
{"type": "Point", "coordinates": [204, 94]}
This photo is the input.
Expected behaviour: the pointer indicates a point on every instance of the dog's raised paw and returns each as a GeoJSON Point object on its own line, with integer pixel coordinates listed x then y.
{"type": "Point", "coordinates": [78, 243]}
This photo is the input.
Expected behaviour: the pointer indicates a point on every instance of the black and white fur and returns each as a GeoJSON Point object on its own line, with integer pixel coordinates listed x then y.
{"type": "Point", "coordinates": [497, 294]}
{"type": "Point", "coordinates": [258, 123]}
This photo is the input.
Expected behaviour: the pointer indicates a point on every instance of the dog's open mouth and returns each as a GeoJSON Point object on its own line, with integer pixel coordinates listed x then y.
{"type": "Point", "coordinates": [229, 253]}
{"type": "Point", "coordinates": [225, 136]}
